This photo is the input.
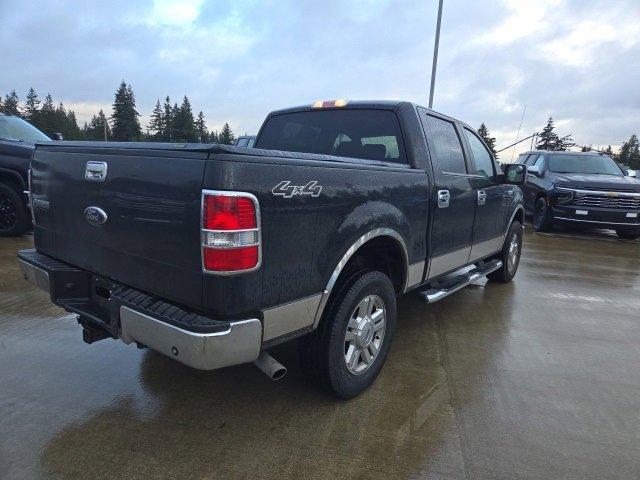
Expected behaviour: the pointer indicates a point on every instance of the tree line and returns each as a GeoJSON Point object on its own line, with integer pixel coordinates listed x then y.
{"type": "Point", "coordinates": [548, 139]}
{"type": "Point", "coordinates": [169, 122]}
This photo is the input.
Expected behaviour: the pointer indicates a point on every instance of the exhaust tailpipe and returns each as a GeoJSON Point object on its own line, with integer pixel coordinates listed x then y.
{"type": "Point", "coordinates": [270, 366]}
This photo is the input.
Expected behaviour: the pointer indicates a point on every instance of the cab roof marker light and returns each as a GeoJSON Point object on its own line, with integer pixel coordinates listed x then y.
{"type": "Point", "coordinates": [330, 103]}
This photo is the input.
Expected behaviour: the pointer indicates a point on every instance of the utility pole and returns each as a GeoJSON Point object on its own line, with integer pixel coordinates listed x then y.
{"type": "Point", "coordinates": [435, 54]}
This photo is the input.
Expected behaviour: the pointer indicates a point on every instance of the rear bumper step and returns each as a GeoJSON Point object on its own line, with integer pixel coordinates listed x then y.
{"type": "Point", "coordinates": [133, 316]}
{"type": "Point", "coordinates": [436, 294]}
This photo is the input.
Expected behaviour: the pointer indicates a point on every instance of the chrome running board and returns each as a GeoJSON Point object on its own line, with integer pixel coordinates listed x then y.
{"type": "Point", "coordinates": [436, 294]}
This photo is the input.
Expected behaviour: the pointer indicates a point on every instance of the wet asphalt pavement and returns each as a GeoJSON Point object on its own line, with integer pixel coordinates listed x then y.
{"type": "Point", "coordinates": [539, 378]}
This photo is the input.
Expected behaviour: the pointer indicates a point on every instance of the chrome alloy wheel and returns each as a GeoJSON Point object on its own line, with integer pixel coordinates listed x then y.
{"type": "Point", "coordinates": [512, 256]}
{"type": "Point", "coordinates": [364, 335]}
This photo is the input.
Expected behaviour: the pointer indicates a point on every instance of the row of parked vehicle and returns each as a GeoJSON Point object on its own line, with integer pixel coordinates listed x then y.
{"type": "Point", "coordinates": [213, 254]}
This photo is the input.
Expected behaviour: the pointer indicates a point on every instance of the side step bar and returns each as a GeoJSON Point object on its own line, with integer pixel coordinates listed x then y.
{"type": "Point", "coordinates": [436, 294]}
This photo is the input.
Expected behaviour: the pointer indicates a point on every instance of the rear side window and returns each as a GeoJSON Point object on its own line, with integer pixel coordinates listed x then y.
{"type": "Point", "coordinates": [445, 142]}
{"type": "Point", "coordinates": [371, 134]}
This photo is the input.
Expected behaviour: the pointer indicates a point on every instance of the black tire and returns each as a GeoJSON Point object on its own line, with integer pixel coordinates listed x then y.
{"type": "Point", "coordinates": [323, 352]}
{"type": "Point", "coordinates": [508, 270]}
{"type": "Point", "coordinates": [542, 216]}
{"type": "Point", "coordinates": [14, 214]}
{"type": "Point", "coordinates": [628, 233]}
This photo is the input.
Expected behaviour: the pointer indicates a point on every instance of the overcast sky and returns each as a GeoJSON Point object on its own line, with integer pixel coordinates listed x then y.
{"type": "Point", "coordinates": [577, 60]}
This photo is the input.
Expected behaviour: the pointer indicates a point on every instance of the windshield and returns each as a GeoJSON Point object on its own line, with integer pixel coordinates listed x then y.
{"type": "Point", "coordinates": [598, 164]}
{"type": "Point", "coordinates": [14, 128]}
{"type": "Point", "coordinates": [372, 134]}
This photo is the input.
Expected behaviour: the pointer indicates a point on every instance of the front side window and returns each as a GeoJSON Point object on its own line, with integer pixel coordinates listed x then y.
{"type": "Point", "coordinates": [482, 157]}
{"type": "Point", "coordinates": [370, 134]}
{"type": "Point", "coordinates": [539, 162]}
{"type": "Point", "coordinates": [446, 145]}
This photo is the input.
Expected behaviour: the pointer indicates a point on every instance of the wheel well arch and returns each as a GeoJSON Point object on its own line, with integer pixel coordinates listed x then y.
{"type": "Point", "coordinates": [382, 249]}
{"type": "Point", "coordinates": [518, 215]}
{"type": "Point", "coordinates": [12, 179]}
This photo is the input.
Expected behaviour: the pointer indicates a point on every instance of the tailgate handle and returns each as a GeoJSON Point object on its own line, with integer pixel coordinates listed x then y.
{"type": "Point", "coordinates": [96, 171]}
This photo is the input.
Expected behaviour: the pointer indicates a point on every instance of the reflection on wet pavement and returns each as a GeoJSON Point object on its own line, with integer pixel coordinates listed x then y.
{"type": "Point", "coordinates": [535, 379]}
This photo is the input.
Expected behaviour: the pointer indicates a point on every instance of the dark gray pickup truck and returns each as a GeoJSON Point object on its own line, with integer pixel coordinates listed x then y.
{"type": "Point", "coordinates": [213, 254]}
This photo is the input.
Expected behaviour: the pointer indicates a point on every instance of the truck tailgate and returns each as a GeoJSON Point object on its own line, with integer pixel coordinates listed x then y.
{"type": "Point", "coordinates": [151, 199]}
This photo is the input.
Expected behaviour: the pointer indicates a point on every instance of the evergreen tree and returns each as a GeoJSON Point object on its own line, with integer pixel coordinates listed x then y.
{"type": "Point", "coordinates": [630, 153]}
{"type": "Point", "coordinates": [31, 107]}
{"type": "Point", "coordinates": [186, 125]}
{"type": "Point", "coordinates": [168, 121]}
{"type": "Point", "coordinates": [47, 116]}
{"type": "Point", "coordinates": [1, 110]}
{"type": "Point", "coordinates": [60, 120]}
{"type": "Point", "coordinates": [226, 136]}
{"type": "Point", "coordinates": [176, 123]}
{"type": "Point", "coordinates": [585, 148]}
{"type": "Point", "coordinates": [608, 151]}
{"type": "Point", "coordinates": [126, 125]}
{"type": "Point", "coordinates": [97, 126]}
{"type": "Point", "coordinates": [549, 139]}
{"type": "Point", "coordinates": [201, 128]}
{"type": "Point", "coordinates": [488, 139]}
{"type": "Point", "coordinates": [156, 125]}
{"type": "Point", "coordinates": [11, 103]}
{"type": "Point", "coordinates": [72, 128]}
{"type": "Point", "coordinates": [214, 137]}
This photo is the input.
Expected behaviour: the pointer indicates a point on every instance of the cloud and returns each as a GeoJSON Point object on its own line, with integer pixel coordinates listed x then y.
{"type": "Point", "coordinates": [525, 18]}
{"type": "Point", "coordinates": [239, 59]}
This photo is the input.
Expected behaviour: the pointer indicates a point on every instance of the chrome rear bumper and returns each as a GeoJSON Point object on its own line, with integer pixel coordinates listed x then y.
{"type": "Point", "coordinates": [240, 343]}
{"type": "Point", "coordinates": [204, 351]}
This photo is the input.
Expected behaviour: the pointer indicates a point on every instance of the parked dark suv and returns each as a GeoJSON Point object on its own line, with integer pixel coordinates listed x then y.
{"type": "Point", "coordinates": [17, 142]}
{"type": "Point", "coordinates": [583, 189]}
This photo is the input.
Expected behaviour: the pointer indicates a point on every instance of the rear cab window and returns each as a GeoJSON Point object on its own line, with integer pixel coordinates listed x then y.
{"type": "Point", "coordinates": [357, 133]}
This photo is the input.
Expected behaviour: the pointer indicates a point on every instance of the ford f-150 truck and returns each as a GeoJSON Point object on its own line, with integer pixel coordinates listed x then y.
{"type": "Point", "coordinates": [212, 254]}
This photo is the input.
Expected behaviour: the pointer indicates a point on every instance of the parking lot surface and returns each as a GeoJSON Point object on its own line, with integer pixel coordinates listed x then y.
{"type": "Point", "coordinates": [539, 378]}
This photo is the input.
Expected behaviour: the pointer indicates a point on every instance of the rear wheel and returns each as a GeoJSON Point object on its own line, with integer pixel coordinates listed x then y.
{"type": "Point", "coordinates": [509, 256]}
{"type": "Point", "coordinates": [628, 233]}
{"type": "Point", "coordinates": [350, 346]}
{"type": "Point", "coordinates": [14, 215]}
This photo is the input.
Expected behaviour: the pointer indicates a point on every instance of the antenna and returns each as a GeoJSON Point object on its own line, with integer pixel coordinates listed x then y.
{"type": "Point", "coordinates": [518, 134]}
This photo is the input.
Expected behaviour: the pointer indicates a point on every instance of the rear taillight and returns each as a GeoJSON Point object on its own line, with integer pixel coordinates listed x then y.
{"type": "Point", "coordinates": [230, 232]}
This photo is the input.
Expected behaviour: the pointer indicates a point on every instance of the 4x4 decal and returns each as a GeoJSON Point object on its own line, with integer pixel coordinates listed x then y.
{"type": "Point", "coordinates": [286, 190]}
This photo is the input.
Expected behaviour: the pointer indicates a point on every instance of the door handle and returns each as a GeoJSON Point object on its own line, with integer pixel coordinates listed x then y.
{"type": "Point", "coordinates": [444, 197]}
{"type": "Point", "coordinates": [482, 197]}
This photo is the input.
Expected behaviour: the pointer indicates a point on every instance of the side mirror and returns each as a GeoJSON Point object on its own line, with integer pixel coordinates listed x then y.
{"type": "Point", "coordinates": [632, 173]}
{"type": "Point", "coordinates": [57, 136]}
{"type": "Point", "coordinates": [515, 174]}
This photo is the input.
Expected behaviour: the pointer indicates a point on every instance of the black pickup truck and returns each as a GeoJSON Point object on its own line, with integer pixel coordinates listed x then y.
{"type": "Point", "coordinates": [213, 254]}
{"type": "Point", "coordinates": [584, 189]}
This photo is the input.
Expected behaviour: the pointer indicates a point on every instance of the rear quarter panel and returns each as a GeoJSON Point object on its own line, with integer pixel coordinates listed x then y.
{"type": "Point", "coordinates": [305, 236]}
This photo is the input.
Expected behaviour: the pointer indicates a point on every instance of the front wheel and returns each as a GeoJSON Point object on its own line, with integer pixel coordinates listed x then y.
{"type": "Point", "coordinates": [628, 233]}
{"type": "Point", "coordinates": [542, 216]}
{"type": "Point", "coordinates": [350, 346]}
{"type": "Point", "coordinates": [14, 215]}
{"type": "Point", "coordinates": [509, 255]}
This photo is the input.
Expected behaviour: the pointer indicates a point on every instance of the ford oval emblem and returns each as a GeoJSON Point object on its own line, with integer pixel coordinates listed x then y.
{"type": "Point", "coordinates": [95, 215]}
